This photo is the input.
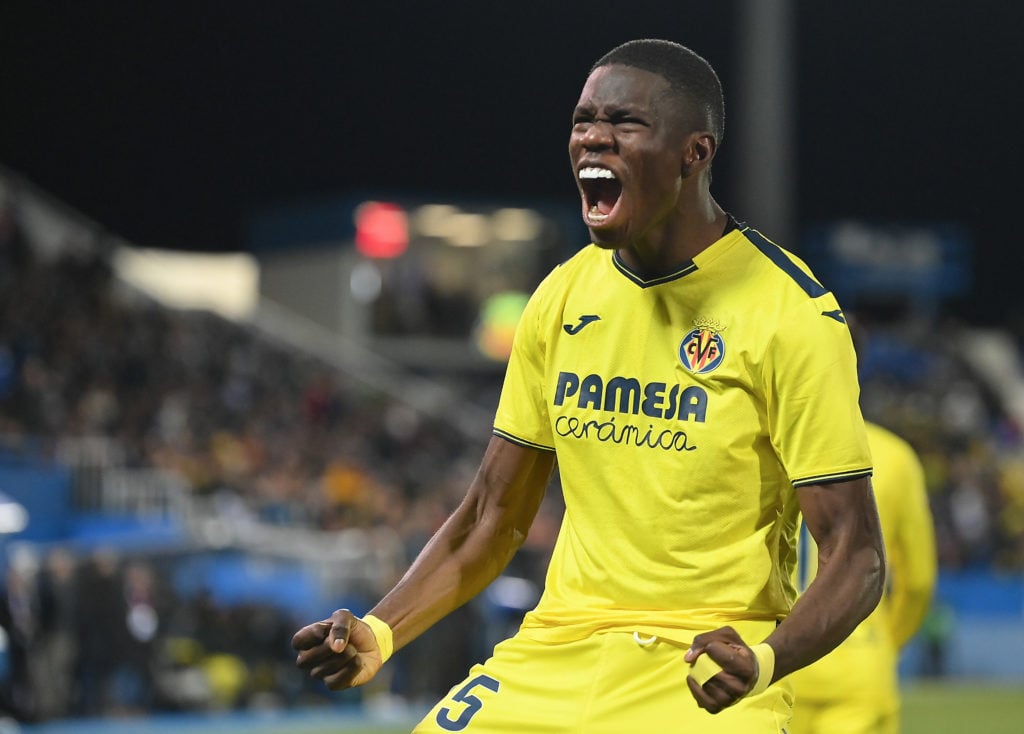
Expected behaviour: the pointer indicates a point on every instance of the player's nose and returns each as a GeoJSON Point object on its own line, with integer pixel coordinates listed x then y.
{"type": "Point", "coordinates": [598, 136]}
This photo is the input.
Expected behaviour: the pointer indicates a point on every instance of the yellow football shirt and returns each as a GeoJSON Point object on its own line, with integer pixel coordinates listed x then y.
{"type": "Point", "coordinates": [864, 667]}
{"type": "Point", "coordinates": [683, 411]}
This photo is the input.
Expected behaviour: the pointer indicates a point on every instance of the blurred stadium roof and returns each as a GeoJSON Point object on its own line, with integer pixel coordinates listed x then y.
{"type": "Point", "coordinates": [172, 122]}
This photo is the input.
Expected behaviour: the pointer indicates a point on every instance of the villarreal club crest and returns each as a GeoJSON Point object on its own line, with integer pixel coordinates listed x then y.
{"type": "Point", "coordinates": [702, 349]}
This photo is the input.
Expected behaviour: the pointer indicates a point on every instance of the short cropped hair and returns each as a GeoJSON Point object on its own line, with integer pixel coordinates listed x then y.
{"type": "Point", "coordinates": [688, 74]}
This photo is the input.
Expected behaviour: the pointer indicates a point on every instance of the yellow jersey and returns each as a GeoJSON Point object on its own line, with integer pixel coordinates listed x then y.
{"type": "Point", "coordinates": [683, 411]}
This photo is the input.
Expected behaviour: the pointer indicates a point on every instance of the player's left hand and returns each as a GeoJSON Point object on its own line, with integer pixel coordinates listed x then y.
{"type": "Point", "coordinates": [738, 674]}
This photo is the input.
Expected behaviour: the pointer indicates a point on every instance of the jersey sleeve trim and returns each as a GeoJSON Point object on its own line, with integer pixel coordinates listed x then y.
{"type": "Point", "coordinates": [832, 478]}
{"type": "Point", "coordinates": [521, 441]}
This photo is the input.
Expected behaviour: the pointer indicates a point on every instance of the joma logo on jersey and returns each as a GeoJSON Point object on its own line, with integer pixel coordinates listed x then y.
{"type": "Point", "coordinates": [628, 395]}
{"type": "Point", "coordinates": [703, 349]}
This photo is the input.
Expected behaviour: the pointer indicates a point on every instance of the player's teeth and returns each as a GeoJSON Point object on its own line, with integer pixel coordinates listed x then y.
{"type": "Point", "coordinates": [595, 172]}
{"type": "Point", "coordinates": [595, 215]}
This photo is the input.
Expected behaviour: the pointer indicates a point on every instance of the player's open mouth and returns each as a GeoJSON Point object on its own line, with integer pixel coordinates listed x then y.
{"type": "Point", "coordinates": [601, 192]}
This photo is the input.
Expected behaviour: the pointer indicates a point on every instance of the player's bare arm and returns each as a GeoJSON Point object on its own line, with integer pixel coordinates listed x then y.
{"type": "Point", "coordinates": [468, 552]}
{"type": "Point", "coordinates": [843, 519]}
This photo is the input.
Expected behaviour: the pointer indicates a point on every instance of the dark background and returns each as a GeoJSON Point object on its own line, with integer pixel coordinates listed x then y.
{"type": "Point", "coordinates": [173, 123]}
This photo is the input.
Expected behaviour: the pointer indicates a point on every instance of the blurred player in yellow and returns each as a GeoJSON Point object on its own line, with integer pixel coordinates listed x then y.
{"type": "Point", "coordinates": [697, 387]}
{"type": "Point", "coordinates": [855, 688]}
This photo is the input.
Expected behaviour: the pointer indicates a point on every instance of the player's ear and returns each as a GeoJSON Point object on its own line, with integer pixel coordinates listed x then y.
{"type": "Point", "coordinates": [699, 150]}
{"type": "Point", "coordinates": [704, 147]}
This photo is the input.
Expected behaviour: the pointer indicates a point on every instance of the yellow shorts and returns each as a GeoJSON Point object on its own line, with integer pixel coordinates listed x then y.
{"type": "Point", "coordinates": [606, 683]}
{"type": "Point", "coordinates": [849, 716]}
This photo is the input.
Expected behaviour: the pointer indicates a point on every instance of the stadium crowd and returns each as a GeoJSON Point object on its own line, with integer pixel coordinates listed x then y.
{"type": "Point", "coordinates": [301, 444]}
{"type": "Point", "coordinates": [248, 425]}
{"type": "Point", "coordinates": [972, 449]}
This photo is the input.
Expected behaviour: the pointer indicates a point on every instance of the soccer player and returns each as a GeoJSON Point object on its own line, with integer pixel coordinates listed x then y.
{"type": "Point", "coordinates": [855, 688]}
{"type": "Point", "coordinates": [697, 387]}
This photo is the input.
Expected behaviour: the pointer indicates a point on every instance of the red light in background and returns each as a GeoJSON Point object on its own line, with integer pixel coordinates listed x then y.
{"type": "Point", "coordinates": [382, 230]}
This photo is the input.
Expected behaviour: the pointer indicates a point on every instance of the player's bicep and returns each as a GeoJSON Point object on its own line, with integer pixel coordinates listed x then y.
{"type": "Point", "coordinates": [842, 518]}
{"type": "Point", "coordinates": [510, 484]}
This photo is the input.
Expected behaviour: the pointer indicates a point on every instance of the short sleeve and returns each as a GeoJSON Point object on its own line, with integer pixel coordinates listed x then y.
{"type": "Point", "coordinates": [812, 395]}
{"type": "Point", "coordinates": [522, 415]}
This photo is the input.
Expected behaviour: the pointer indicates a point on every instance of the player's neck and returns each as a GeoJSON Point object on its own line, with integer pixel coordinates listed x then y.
{"type": "Point", "coordinates": [677, 242]}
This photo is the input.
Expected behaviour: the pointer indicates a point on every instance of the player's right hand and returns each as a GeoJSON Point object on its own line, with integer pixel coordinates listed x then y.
{"type": "Point", "coordinates": [738, 666]}
{"type": "Point", "coordinates": [341, 651]}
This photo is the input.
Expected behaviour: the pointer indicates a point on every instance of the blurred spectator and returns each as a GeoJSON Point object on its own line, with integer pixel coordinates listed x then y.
{"type": "Point", "coordinates": [144, 613]}
{"type": "Point", "coordinates": [99, 631]}
{"type": "Point", "coordinates": [20, 616]}
{"type": "Point", "coordinates": [58, 647]}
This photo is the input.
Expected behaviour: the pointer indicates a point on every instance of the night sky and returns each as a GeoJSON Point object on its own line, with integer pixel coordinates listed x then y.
{"type": "Point", "coordinates": [173, 123]}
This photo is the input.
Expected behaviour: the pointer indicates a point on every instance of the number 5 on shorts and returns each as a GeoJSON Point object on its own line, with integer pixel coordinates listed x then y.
{"type": "Point", "coordinates": [473, 704]}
